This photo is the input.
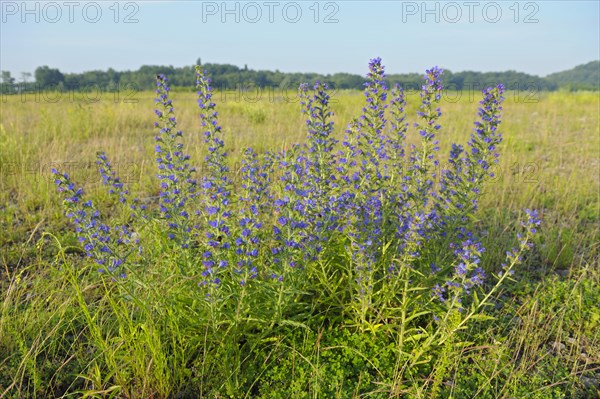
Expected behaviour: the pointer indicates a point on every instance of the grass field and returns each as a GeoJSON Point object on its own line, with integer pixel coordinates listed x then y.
{"type": "Point", "coordinates": [542, 340]}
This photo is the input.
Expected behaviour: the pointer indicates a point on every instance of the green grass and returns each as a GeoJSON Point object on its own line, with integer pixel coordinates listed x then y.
{"type": "Point", "coordinates": [63, 331]}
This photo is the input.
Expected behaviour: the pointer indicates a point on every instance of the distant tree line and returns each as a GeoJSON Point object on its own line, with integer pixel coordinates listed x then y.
{"type": "Point", "coordinates": [232, 77]}
{"type": "Point", "coordinates": [582, 77]}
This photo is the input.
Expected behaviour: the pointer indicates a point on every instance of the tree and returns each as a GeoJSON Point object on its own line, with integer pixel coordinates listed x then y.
{"type": "Point", "coordinates": [48, 77]}
{"type": "Point", "coordinates": [25, 76]}
{"type": "Point", "coordinates": [8, 83]}
{"type": "Point", "coordinates": [7, 79]}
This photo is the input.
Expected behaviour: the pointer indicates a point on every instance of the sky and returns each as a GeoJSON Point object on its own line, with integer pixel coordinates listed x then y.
{"type": "Point", "coordinates": [536, 37]}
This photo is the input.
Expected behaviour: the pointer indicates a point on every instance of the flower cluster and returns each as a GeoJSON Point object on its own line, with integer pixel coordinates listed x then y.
{"type": "Point", "coordinates": [320, 140]}
{"type": "Point", "coordinates": [175, 173]}
{"type": "Point", "coordinates": [216, 187]}
{"type": "Point", "coordinates": [253, 204]}
{"type": "Point", "coordinates": [369, 205]}
{"type": "Point", "coordinates": [461, 183]}
{"type": "Point", "coordinates": [423, 159]}
{"type": "Point", "coordinates": [110, 179]}
{"type": "Point", "coordinates": [109, 248]}
{"type": "Point", "coordinates": [399, 126]}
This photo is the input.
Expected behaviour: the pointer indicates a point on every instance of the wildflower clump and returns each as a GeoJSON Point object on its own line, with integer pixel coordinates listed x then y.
{"type": "Point", "coordinates": [368, 231]}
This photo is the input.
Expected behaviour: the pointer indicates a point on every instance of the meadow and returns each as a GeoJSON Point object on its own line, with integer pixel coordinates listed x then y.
{"type": "Point", "coordinates": [68, 331]}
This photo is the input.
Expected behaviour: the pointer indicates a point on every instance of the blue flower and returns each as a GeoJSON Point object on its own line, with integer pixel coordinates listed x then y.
{"type": "Point", "coordinates": [178, 186]}
{"type": "Point", "coordinates": [101, 243]}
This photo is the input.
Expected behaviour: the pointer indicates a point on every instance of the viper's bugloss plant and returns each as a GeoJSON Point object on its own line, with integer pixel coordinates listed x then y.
{"type": "Point", "coordinates": [108, 246]}
{"type": "Point", "coordinates": [174, 172]}
{"type": "Point", "coordinates": [363, 232]}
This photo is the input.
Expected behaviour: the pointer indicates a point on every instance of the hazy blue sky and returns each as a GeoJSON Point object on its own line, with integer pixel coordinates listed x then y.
{"type": "Point", "coordinates": [538, 37]}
